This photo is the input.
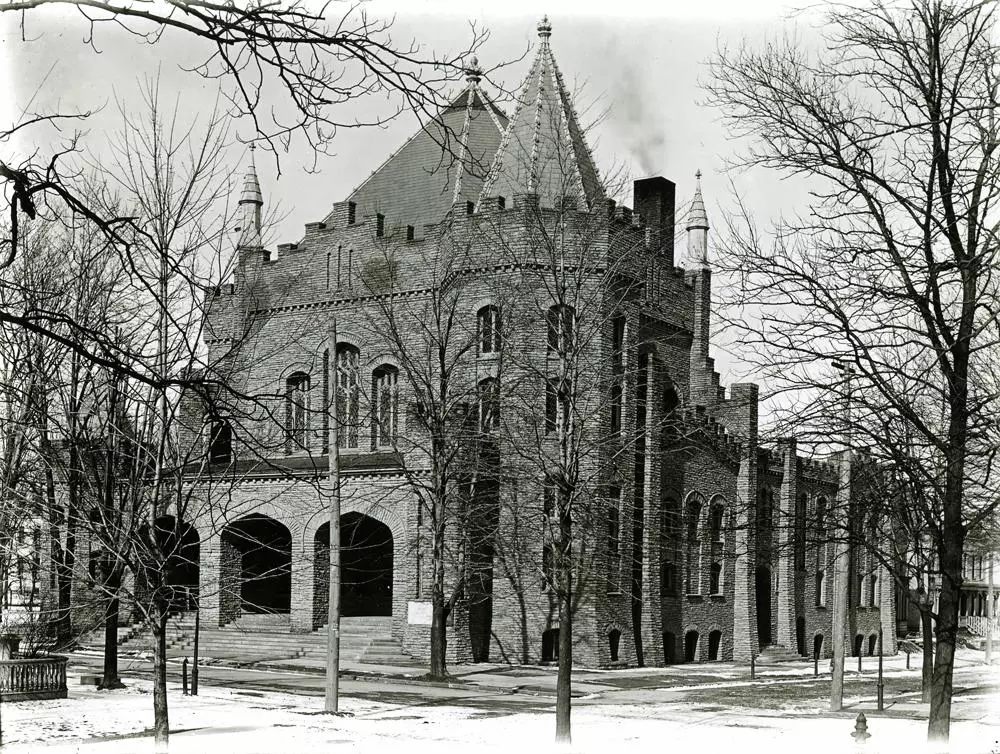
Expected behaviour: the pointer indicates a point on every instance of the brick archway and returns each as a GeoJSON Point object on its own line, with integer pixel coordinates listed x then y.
{"type": "Point", "coordinates": [256, 568]}
{"type": "Point", "coordinates": [367, 556]}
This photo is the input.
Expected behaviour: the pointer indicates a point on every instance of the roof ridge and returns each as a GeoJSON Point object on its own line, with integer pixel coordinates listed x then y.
{"type": "Point", "coordinates": [494, 172]}
{"type": "Point", "coordinates": [471, 91]}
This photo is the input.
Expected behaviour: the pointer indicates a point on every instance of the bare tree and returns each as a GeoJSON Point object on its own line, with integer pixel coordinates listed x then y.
{"type": "Point", "coordinates": [291, 69]}
{"type": "Point", "coordinates": [445, 443]}
{"type": "Point", "coordinates": [893, 122]}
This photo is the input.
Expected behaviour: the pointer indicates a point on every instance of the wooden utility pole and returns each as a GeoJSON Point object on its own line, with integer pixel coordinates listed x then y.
{"type": "Point", "coordinates": [989, 614]}
{"type": "Point", "coordinates": [842, 556]}
{"type": "Point", "coordinates": [333, 453]}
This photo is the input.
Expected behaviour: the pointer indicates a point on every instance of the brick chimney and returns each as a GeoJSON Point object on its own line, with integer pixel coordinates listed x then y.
{"type": "Point", "coordinates": [654, 201]}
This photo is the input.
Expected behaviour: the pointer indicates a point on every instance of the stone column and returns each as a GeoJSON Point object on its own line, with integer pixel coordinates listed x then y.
{"type": "Point", "coordinates": [652, 609]}
{"type": "Point", "coordinates": [887, 610]}
{"type": "Point", "coordinates": [784, 519]}
{"type": "Point", "coordinates": [302, 585]}
{"type": "Point", "coordinates": [208, 581]}
{"type": "Point", "coordinates": [744, 396]}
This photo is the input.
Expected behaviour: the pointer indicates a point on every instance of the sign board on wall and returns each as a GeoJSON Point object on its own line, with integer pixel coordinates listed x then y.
{"type": "Point", "coordinates": [419, 613]}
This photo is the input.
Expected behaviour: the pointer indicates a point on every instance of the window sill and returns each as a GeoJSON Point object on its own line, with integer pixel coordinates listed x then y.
{"type": "Point", "coordinates": [613, 593]}
{"type": "Point", "coordinates": [717, 597]}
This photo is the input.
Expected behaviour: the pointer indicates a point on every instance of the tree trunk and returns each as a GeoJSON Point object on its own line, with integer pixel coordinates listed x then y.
{"type": "Point", "coordinates": [111, 679]}
{"type": "Point", "coordinates": [161, 721]}
{"type": "Point", "coordinates": [439, 635]}
{"type": "Point", "coordinates": [939, 722]}
{"type": "Point", "coordinates": [565, 673]}
{"type": "Point", "coordinates": [927, 662]}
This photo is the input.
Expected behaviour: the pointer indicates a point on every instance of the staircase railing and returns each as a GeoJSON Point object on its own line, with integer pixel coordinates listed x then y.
{"type": "Point", "coordinates": [980, 625]}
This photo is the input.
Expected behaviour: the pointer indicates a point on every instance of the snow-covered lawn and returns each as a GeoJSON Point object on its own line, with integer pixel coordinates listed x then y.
{"type": "Point", "coordinates": [227, 720]}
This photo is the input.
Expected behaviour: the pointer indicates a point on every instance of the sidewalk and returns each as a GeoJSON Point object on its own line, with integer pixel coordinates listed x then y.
{"type": "Point", "coordinates": [588, 682]}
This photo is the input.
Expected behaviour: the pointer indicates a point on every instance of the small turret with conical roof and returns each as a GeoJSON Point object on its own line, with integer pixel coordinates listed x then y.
{"type": "Point", "coordinates": [251, 205]}
{"type": "Point", "coordinates": [697, 227]}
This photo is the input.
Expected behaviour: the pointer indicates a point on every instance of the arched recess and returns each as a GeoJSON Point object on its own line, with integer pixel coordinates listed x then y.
{"type": "Point", "coordinates": [366, 561]}
{"type": "Point", "coordinates": [255, 567]}
{"type": "Point", "coordinates": [762, 592]}
{"type": "Point", "coordinates": [691, 646]}
{"type": "Point", "coordinates": [714, 645]}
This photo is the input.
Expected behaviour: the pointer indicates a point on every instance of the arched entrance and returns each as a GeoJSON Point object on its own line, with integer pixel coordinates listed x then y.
{"type": "Point", "coordinates": [255, 567]}
{"type": "Point", "coordinates": [365, 567]}
{"type": "Point", "coordinates": [762, 592]}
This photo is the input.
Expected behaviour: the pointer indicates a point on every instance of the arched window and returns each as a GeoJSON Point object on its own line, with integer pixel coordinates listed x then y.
{"type": "Point", "coordinates": [669, 578]}
{"type": "Point", "coordinates": [348, 395]}
{"type": "Point", "coordinates": [489, 405]}
{"type": "Point", "coordinates": [800, 533]}
{"type": "Point", "coordinates": [557, 405]}
{"type": "Point", "coordinates": [716, 532]}
{"type": "Point", "coordinates": [616, 408]}
{"type": "Point", "coordinates": [618, 343]}
{"type": "Point", "coordinates": [385, 406]}
{"type": "Point", "coordinates": [820, 518]}
{"type": "Point", "coordinates": [613, 522]}
{"type": "Point", "coordinates": [560, 326]}
{"type": "Point", "coordinates": [296, 412]}
{"type": "Point", "coordinates": [693, 584]}
{"type": "Point", "coordinates": [821, 588]}
{"type": "Point", "coordinates": [220, 442]}
{"type": "Point", "coordinates": [488, 327]}
{"type": "Point", "coordinates": [872, 584]}
{"type": "Point", "coordinates": [548, 566]}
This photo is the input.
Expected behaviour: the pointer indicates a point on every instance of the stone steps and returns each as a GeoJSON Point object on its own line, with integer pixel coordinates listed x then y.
{"type": "Point", "coordinates": [362, 639]}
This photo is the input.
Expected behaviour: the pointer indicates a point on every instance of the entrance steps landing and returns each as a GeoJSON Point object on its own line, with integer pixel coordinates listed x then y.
{"type": "Point", "coordinates": [363, 639]}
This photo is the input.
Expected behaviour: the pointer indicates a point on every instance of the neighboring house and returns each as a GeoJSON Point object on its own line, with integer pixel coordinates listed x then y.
{"type": "Point", "coordinates": [978, 590]}
{"type": "Point", "coordinates": [709, 546]}
{"type": "Point", "coordinates": [21, 579]}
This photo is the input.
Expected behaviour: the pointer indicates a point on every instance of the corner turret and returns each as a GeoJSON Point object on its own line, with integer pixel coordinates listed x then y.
{"type": "Point", "coordinates": [697, 227]}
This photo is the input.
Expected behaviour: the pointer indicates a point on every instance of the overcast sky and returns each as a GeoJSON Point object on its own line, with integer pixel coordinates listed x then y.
{"type": "Point", "coordinates": [639, 62]}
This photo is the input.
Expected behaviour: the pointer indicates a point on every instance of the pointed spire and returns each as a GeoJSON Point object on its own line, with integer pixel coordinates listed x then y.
{"type": "Point", "coordinates": [697, 217]}
{"type": "Point", "coordinates": [474, 72]}
{"type": "Point", "coordinates": [544, 151]}
{"type": "Point", "coordinates": [473, 98]}
{"type": "Point", "coordinates": [697, 227]}
{"type": "Point", "coordinates": [251, 202]}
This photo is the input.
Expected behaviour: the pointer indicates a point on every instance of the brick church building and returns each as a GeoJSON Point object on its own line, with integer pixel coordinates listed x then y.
{"type": "Point", "coordinates": [705, 545]}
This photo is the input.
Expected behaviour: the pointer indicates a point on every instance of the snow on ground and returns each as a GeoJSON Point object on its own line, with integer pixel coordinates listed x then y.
{"type": "Point", "coordinates": [229, 720]}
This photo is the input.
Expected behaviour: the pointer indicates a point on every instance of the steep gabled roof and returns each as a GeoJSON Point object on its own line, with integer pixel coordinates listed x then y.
{"type": "Point", "coordinates": [544, 151]}
{"type": "Point", "coordinates": [443, 163]}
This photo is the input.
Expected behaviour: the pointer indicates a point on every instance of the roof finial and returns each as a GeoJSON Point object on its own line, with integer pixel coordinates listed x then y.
{"type": "Point", "coordinates": [698, 174]}
{"type": "Point", "coordinates": [544, 28]}
{"type": "Point", "coordinates": [473, 71]}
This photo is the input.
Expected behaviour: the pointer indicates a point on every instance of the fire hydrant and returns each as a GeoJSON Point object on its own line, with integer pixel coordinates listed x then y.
{"type": "Point", "coordinates": [861, 734]}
